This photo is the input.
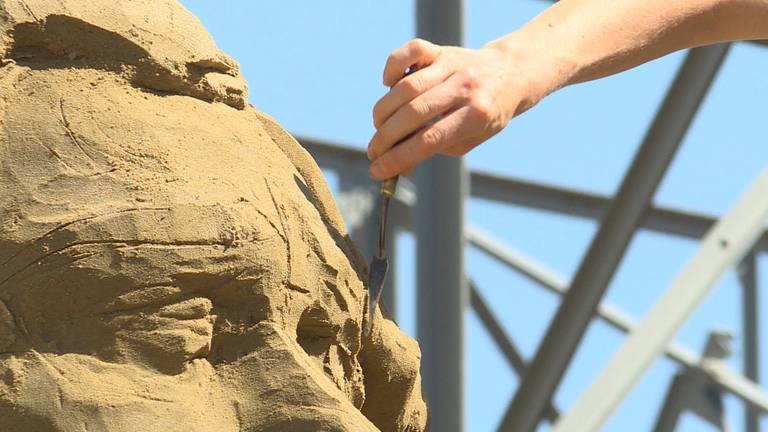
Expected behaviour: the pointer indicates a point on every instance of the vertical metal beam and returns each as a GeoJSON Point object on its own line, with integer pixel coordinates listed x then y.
{"type": "Point", "coordinates": [724, 245]}
{"type": "Point", "coordinates": [441, 283]}
{"type": "Point", "coordinates": [750, 309]}
{"type": "Point", "coordinates": [621, 219]}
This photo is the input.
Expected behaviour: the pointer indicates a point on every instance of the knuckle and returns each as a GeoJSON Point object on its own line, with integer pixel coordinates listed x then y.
{"type": "Point", "coordinates": [392, 60]}
{"type": "Point", "coordinates": [431, 139]}
{"type": "Point", "coordinates": [482, 107]}
{"type": "Point", "coordinates": [413, 85]}
{"type": "Point", "coordinates": [377, 114]}
{"type": "Point", "coordinates": [469, 79]}
{"type": "Point", "coordinates": [419, 109]}
{"type": "Point", "coordinates": [417, 45]}
{"type": "Point", "coordinates": [383, 137]}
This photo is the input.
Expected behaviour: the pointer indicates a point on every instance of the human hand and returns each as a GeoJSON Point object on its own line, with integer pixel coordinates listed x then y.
{"type": "Point", "coordinates": [456, 99]}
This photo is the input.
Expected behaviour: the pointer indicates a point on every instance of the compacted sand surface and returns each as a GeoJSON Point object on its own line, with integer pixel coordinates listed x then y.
{"type": "Point", "coordinates": [170, 258]}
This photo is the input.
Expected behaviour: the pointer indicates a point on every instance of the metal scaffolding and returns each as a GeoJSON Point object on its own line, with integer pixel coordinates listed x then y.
{"type": "Point", "coordinates": [616, 230]}
{"type": "Point", "coordinates": [433, 209]}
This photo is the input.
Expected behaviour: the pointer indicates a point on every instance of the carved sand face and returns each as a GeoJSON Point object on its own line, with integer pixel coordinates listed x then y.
{"type": "Point", "coordinates": [180, 262]}
{"type": "Point", "coordinates": [167, 261]}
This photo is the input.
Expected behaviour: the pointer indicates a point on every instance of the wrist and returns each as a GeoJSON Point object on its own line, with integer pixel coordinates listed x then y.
{"type": "Point", "coordinates": [541, 67]}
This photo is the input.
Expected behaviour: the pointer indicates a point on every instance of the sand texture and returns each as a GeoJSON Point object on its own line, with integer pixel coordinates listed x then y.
{"type": "Point", "coordinates": [170, 258]}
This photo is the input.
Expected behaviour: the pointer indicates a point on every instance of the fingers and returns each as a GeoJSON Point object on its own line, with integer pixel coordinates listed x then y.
{"type": "Point", "coordinates": [409, 88]}
{"type": "Point", "coordinates": [416, 52]}
{"type": "Point", "coordinates": [445, 133]}
{"type": "Point", "coordinates": [413, 116]}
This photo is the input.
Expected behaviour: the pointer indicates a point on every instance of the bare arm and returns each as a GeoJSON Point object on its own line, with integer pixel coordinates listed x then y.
{"type": "Point", "coordinates": [470, 95]}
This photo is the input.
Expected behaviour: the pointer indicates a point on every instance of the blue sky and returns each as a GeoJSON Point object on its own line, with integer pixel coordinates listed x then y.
{"type": "Point", "coordinates": [316, 67]}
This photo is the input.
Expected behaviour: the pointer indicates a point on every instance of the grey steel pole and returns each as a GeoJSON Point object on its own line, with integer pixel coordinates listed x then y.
{"type": "Point", "coordinates": [442, 296]}
{"type": "Point", "coordinates": [358, 201]}
{"type": "Point", "coordinates": [622, 217]}
{"type": "Point", "coordinates": [750, 309]}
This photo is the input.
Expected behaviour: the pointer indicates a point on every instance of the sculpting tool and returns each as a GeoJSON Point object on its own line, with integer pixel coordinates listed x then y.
{"type": "Point", "coordinates": [377, 270]}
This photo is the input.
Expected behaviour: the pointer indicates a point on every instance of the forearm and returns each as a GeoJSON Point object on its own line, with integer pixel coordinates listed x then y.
{"type": "Point", "coordinates": [460, 97]}
{"type": "Point", "coordinates": [581, 40]}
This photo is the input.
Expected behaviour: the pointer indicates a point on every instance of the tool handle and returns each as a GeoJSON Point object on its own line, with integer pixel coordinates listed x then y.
{"type": "Point", "coordinates": [389, 186]}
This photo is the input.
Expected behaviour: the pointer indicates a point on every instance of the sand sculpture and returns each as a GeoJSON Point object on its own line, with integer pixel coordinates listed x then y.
{"type": "Point", "coordinates": [170, 258]}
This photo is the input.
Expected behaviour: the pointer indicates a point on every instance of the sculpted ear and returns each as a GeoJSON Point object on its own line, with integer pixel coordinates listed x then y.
{"type": "Point", "coordinates": [390, 362]}
{"type": "Point", "coordinates": [8, 330]}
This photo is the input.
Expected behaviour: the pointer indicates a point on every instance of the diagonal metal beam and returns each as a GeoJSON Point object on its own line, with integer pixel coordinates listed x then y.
{"type": "Point", "coordinates": [721, 373]}
{"type": "Point", "coordinates": [745, 389]}
{"type": "Point", "coordinates": [725, 245]}
{"type": "Point", "coordinates": [556, 284]}
{"type": "Point", "coordinates": [502, 340]}
{"type": "Point", "coordinates": [616, 230]}
{"type": "Point", "coordinates": [530, 194]}
{"type": "Point", "coordinates": [574, 202]}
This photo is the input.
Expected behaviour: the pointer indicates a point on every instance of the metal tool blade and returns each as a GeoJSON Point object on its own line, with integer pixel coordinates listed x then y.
{"type": "Point", "coordinates": [377, 270]}
{"type": "Point", "coordinates": [377, 273]}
